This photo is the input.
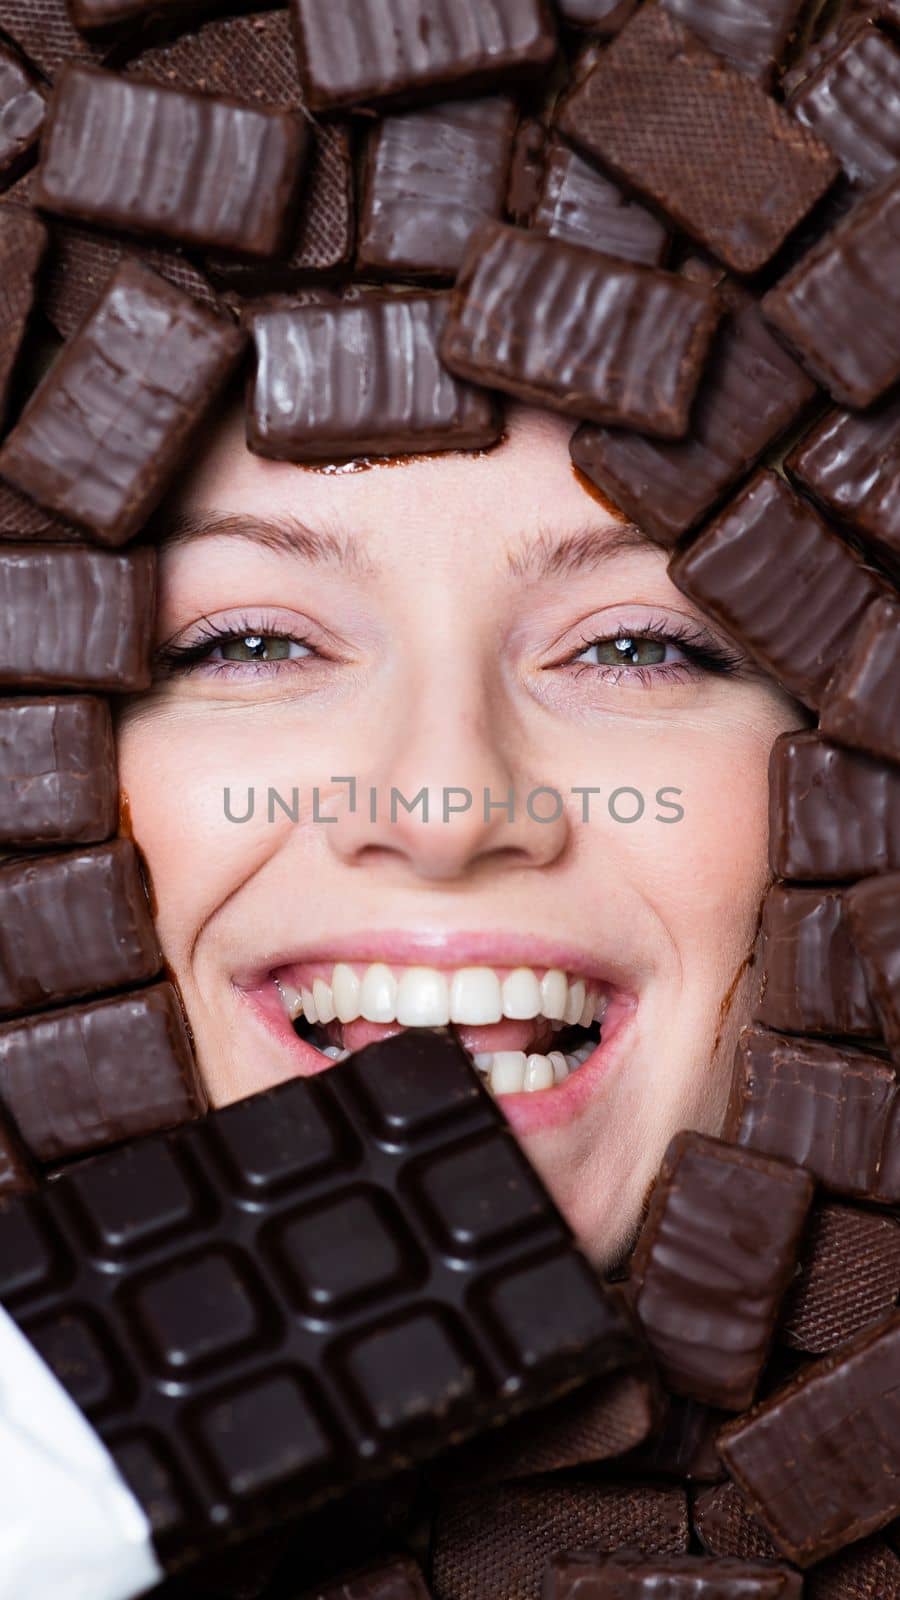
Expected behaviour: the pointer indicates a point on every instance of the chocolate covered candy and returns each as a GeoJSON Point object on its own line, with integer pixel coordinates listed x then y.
{"type": "Point", "coordinates": [576, 202]}
{"type": "Point", "coordinates": [76, 618]}
{"type": "Point", "coordinates": [585, 1575]}
{"type": "Point", "coordinates": [58, 781]}
{"type": "Point", "coordinates": [814, 980]}
{"type": "Point", "coordinates": [22, 109]}
{"type": "Point", "coordinates": [850, 464]}
{"type": "Point", "coordinates": [556, 324]}
{"type": "Point", "coordinates": [849, 1278]}
{"type": "Point", "coordinates": [853, 102]}
{"type": "Point", "coordinates": [861, 706]}
{"type": "Point", "coordinates": [700, 140]}
{"type": "Point", "coordinates": [114, 419]}
{"type": "Point", "coordinates": [834, 814]}
{"type": "Point", "coordinates": [21, 518]}
{"type": "Point", "coordinates": [23, 240]}
{"type": "Point", "coordinates": [873, 912]}
{"type": "Point", "coordinates": [46, 34]}
{"type": "Point", "coordinates": [400, 1579]}
{"type": "Point", "coordinates": [725, 1527]}
{"type": "Point", "coordinates": [751, 34]}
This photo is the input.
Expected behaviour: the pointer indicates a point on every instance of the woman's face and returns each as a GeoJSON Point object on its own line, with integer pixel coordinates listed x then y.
{"type": "Point", "coordinates": [432, 626]}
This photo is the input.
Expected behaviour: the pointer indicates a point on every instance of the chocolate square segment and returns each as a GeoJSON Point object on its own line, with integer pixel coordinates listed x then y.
{"type": "Point", "coordinates": [850, 464]}
{"type": "Point", "coordinates": [833, 814]}
{"type": "Point", "coordinates": [76, 618]}
{"type": "Point", "coordinates": [751, 34]}
{"type": "Point", "coordinates": [58, 782]}
{"type": "Point", "coordinates": [853, 102]}
{"type": "Point", "coordinates": [576, 202]}
{"type": "Point", "coordinates": [813, 978]}
{"type": "Point", "coordinates": [862, 704]}
{"type": "Point", "coordinates": [873, 911]}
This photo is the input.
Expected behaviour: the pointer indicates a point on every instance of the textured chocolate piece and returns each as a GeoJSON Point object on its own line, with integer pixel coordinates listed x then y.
{"type": "Point", "coordinates": [526, 170]}
{"type": "Point", "coordinates": [490, 1546]}
{"type": "Point", "coordinates": [702, 141]}
{"type": "Point", "coordinates": [45, 32]}
{"type": "Point", "coordinates": [359, 377]}
{"type": "Point", "coordinates": [725, 1527]}
{"type": "Point", "coordinates": [355, 51]}
{"type": "Point", "coordinates": [58, 782]}
{"type": "Point", "coordinates": [556, 324]}
{"type": "Point", "coordinates": [294, 1316]}
{"type": "Point", "coordinates": [818, 1463]}
{"type": "Point", "coordinates": [751, 392]}
{"type": "Point", "coordinates": [839, 308]}
{"type": "Point", "coordinates": [779, 579]}
{"type": "Point", "coordinates": [873, 912]}
{"type": "Point", "coordinates": [82, 261]}
{"type": "Point", "coordinates": [21, 518]}
{"type": "Point", "coordinates": [16, 1173]}
{"type": "Point", "coordinates": [849, 1278]}
{"type": "Point", "coordinates": [72, 925]}
{"type": "Point", "coordinates": [113, 143]}
{"type": "Point", "coordinates": [853, 103]}
{"type": "Point", "coordinates": [851, 466]}
{"type": "Point", "coordinates": [22, 109]}
{"type": "Point", "coordinates": [814, 981]}
{"type": "Point", "coordinates": [713, 1261]}
{"type": "Point", "coordinates": [752, 35]}
{"type": "Point", "coordinates": [861, 706]}
{"type": "Point", "coordinates": [23, 240]}
{"type": "Point", "coordinates": [431, 177]}
{"type": "Point", "coordinates": [868, 1570]}
{"type": "Point", "coordinates": [601, 16]}
{"type": "Point", "coordinates": [833, 814]}
{"type": "Point", "coordinates": [76, 618]}
{"type": "Point", "coordinates": [824, 1106]}
{"type": "Point", "coordinates": [585, 1575]}
{"type": "Point", "coordinates": [115, 417]}
{"type": "Point", "coordinates": [576, 202]}
{"type": "Point", "coordinates": [399, 1579]}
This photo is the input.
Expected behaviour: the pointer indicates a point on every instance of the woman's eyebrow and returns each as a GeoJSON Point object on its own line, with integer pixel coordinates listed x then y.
{"type": "Point", "coordinates": [285, 534]}
{"type": "Point", "coordinates": [543, 555]}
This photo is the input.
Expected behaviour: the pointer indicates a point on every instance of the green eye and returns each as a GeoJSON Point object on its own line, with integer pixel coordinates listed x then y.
{"type": "Point", "coordinates": [256, 647]}
{"type": "Point", "coordinates": [644, 652]}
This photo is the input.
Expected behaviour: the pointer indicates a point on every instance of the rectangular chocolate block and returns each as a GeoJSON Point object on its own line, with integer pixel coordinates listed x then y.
{"type": "Point", "coordinates": [366, 51]}
{"type": "Point", "coordinates": [58, 781]}
{"type": "Point", "coordinates": [22, 109]}
{"type": "Point", "coordinates": [725, 1527]}
{"type": "Point", "coordinates": [701, 141]}
{"type": "Point", "coordinates": [576, 202]}
{"type": "Point", "coordinates": [814, 981]}
{"type": "Point", "coordinates": [853, 102]}
{"type": "Point", "coordinates": [23, 240]}
{"type": "Point", "coordinates": [45, 33]}
{"type": "Point", "coordinates": [839, 308]}
{"type": "Point", "coordinates": [849, 1278]}
{"type": "Point", "coordinates": [713, 1261]}
{"type": "Point", "coordinates": [430, 178]}
{"type": "Point", "coordinates": [362, 376]}
{"type": "Point", "coordinates": [16, 1172]}
{"type": "Point", "coordinates": [751, 392]}
{"type": "Point", "coordinates": [586, 1575]}
{"type": "Point", "coordinates": [114, 153]}
{"type": "Point", "coordinates": [559, 325]}
{"type": "Point", "coordinates": [833, 814]}
{"type": "Point", "coordinates": [752, 35]}
{"type": "Point", "coordinates": [74, 924]}
{"type": "Point", "coordinates": [861, 706]}
{"type": "Point", "coordinates": [307, 1290]}
{"type": "Point", "coordinates": [76, 618]}
{"type": "Point", "coordinates": [818, 1463]}
{"type": "Point", "coordinates": [851, 465]}
{"type": "Point", "coordinates": [873, 912]}
{"type": "Point", "coordinates": [601, 16]}
{"type": "Point", "coordinates": [115, 417]}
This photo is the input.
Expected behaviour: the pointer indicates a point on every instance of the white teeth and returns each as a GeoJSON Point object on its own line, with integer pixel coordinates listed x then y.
{"type": "Point", "coordinates": [322, 1000]}
{"type": "Point", "coordinates": [423, 998]}
{"type": "Point", "coordinates": [378, 994]}
{"type": "Point", "coordinates": [291, 999]}
{"type": "Point", "coordinates": [475, 996]}
{"type": "Point", "coordinates": [334, 1052]}
{"type": "Point", "coordinates": [554, 990]}
{"type": "Point", "coordinates": [508, 1071]}
{"type": "Point", "coordinates": [309, 1006]}
{"type": "Point", "coordinates": [560, 1066]}
{"type": "Point", "coordinates": [587, 1014]}
{"type": "Point", "coordinates": [345, 987]}
{"type": "Point", "coordinates": [521, 994]}
{"type": "Point", "coordinates": [484, 1060]}
{"type": "Point", "coordinates": [538, 1073]}
{"type": "Point", "coordinates": [575, 1001]}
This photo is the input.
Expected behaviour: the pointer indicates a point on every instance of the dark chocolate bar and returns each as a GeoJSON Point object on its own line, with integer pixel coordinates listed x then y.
{"type": "Point", "coordinates": [58, 782]}
{"type": "Point", "coordinates": [751, 392]}
{"type": "Point", "coordinates": [46, 34]}
{"type": "Point", "coordinates": [751, 34]}
{"type": "Point", "coordinates": [576, 202]}
{"type": "Point", "coordinates": [833, 814]}
{"type": "Point", "coordinates": [781, 581]}
{"type": "Point", "coordinates": [72, 925]}
{"type": "Point", "coordinates": [306, 1289]}
{"type": "Point", "coordinates": [82, 262]}
{"type": "Point", "coordinates": [851, 465]}
{"type": "Point", "coordinates": [814, 981]}
{"type": "Point", "coordinates": [22, 110]}
{"type": "Point", "coordinates": [714, 1258]}
{"type": "Point", "coordinates": [873, 912]}
{"type": "Point", "coordinates": [601, 16]}
{"type": "Point", "coordinates": [839, 308]}
{"type": "Point", "coordinates": [114, 153]}
{"type": "Point", "coordinates": [861, 706]}
{"type": "Point", "coordinates": [23, 240]}
{"type": "Point", "coordinates": [818, 1463]}
{"type": "Point", "coordinates": [586, 1575]}
{"type": "Point", "coordinates": [399, 1579]}
{"type": "Point", "coordinates": [354, 52]}
{"type": "Point", "coordinates": [76, 618]}
{"type": "Point", "coordinates": [725, 1527]}
{"type": "Point", "coordinates": [849, 1278]}
{"type": "Point", "coordinates": [703, 142]}
{"type": "Point", "coordinates": [853, 102]}
{"type": "Point", "coordinates": [115, 417]}
{"type": "Point", "coordinates": [16, 1172]}
{"type": "Point", "coordinates": [359, 377]}
{"type": "Point", "coordinates": [559, 325]}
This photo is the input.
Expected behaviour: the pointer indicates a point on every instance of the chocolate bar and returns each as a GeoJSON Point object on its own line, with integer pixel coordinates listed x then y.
{"type": "Point", "coordinates": [309, 400]}
{"type": "Point", "coordinates": [115, 417]}
{"type": "Point", "coordinates": [853, 102]}
{"type": "Point", "coordinates": [714, 1258]}
{"type": "Point", "coordinates": [355, 52]}
{"type": "Point", "coordinates": [74, 924]}
{"type": "Point", "coordinates": [861, 705]}
{"type": "Point", "coordinates": [16, 1172]}
{"type": "Point", "coordinates": [559, 325]}
{"type": "Point", "coordinates": [849, 1278]}
{"type": "Point", "coordinates": [781, 581]}
{"type": "Point", "coordinates": [601, 16]}
{"type": "Point", "coordinates": [873, 912]}
{"type": "Point", "coordinates": [76, 618]}
{"type": "Point", "coordinates": [112, 145]}
{"type": "Point", "coordinates": [576, 202]}
{"type": "Point", "coordinates": [752, 35]}
{"type": "Point", "coordinates": [698, 139]}
{"type": "Point", "coordinates": [818, 1463]}
{"type": "Point", "coordinates": [23, 240]}
{"type": "Point", "coordinates": [431, 177]}
{"type": "Point", "coordinates": [851, 465]}
{"type": "Point", "coordinates": [306, 1289]}
{"type": "Point", "coordinates": [830, 1108]}
{"type": "Point", "coordinates": [833, 814]}
{"type": "Point", "coordinates": [526, 170]}
{"type": "Point", "coordinates": [45, 33]}
{"type": "Point", "coordinates": [400, 1579]}
{"type": "Point", "coordinates": [22, 109]}
{"type": "Point", "coordinates": [868, 1570]}
{"type": "Point", "coordinates": [751, 392]}
{"type": "Point", "coordinates": [82, 262]}
{"type": "Point", "coordinates": [58, 781]}
{"type": "Point", "coordinates": [814, 980]}
{"type": "Point", "coordinates": [839, 308]}
{"type": "Point", "coordinates": [585, 1575]}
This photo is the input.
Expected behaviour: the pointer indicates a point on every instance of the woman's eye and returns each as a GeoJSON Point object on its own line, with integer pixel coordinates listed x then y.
{"type": "Point", "coordinates": [628, 651]}
{"type": "Point", "coordinates": [259, 647]}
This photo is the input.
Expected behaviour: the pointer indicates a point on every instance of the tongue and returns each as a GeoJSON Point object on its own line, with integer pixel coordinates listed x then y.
{"type": "Point", "coordinates": [534, 1034]}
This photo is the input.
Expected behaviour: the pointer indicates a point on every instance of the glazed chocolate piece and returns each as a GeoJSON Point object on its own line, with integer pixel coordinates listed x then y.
{"type": "Point", "coordinates": [776, 576]}
{"type": "Point", "coordinates": [868, 1570]}
{"type": "Point", "coordinates": [825, 1106]}
{"type": "Point", "coordinates": [833, 814]}
{"type": "Point", "coordinates": [22, 109]}
{"type": "Point", "coordinates": [751, 392]}
{"type": "Point", "coordinates": [58, 782]}
{"type": "Point", "coordinates": [714, 1258]}
{"type": "Point", "coordinates": [115, 417]}
{"type": "Point", "coordinates": [601, 16]}
{"type": "Point", "coordinates": [23, 240]}
{"type": "Point", "coordinates": [82, 261]}
{"type": "Point", "coordinates": [112, 144]}
{"type": "Point", "coordinates": [555, 324]}
{"type": "Point", "coordinates": [818, 1463]}
{"type": "Point", "coordinates": [45, 33]}
{"type": "Point", "coordinates": [21, 518]}
{"type": "Point", "coordinates": [752, 35]}
{"type": "Point", "coordinates": [701, 141]}
{"type": "Point", "coordinates": [725, 1527]}
{"type": "Point", "coordinates": [399, 1579]}
{"type": "Point", "coordinates": [72, 925]}
{"type": "Point", "coordinates": [355, 52]}
{"type": "Point", "coordinates": [839, 308]}
{"type": "Point", "coordinates": [861, 706]}
{"type": "Point", "coordinates": [309, 400]}
{"type": "Point", "coordinates": [849, 1278]}
{"type": "Point", "coordinates": [76, 618]}
{"type": "Point", "coordinates": [586, 1575]}
{"type": "Point", "coordinates": [526, 171]}
{"type": "Point", "coordinates": [853, 103]}
{"type": "Point", "coordinates": [851, 466]}
{"type": "Point", "coordinates": [91, 1075]}
{"type": "Point", "coordinates": [307, 1289]}
{"type": "Point", "coordinates": [873, 912]}
{"type": "Point", "coordinates": [431, 177]}
{"type": "Point", "coordinates": [576, 202]}
{"type": "Point", "coordinates": [16, 1172]}
{"type": "Point", "coordinates": [814, 980]}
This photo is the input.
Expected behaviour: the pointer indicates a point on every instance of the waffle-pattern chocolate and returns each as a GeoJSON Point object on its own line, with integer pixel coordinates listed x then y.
{"type": "Point", "coordinates": [849, 1278]}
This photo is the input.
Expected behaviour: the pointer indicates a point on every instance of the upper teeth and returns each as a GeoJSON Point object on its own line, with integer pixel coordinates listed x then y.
{"type": "Point", "coordinates": [429, 997]}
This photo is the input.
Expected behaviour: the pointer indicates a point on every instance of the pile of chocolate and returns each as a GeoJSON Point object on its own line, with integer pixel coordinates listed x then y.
{"type": "Point", "coordinates": [341, 1323]}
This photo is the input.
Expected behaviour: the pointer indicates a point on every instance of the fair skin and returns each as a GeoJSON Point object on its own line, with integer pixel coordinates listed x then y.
{"type": "Point", "coordinates": [439, 656]}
